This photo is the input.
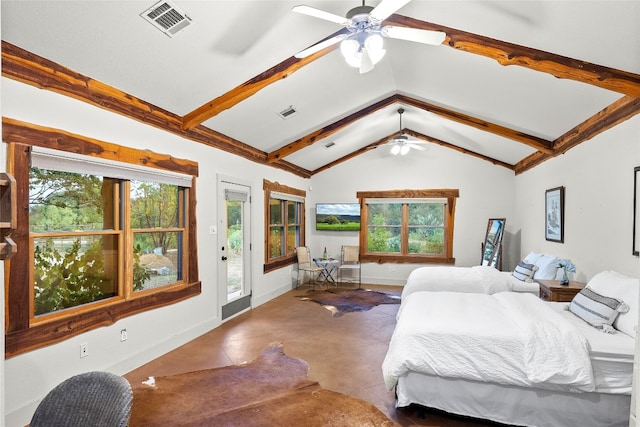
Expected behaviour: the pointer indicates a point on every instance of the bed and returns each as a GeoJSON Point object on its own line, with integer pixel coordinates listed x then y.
{"type": "Point", "coordinates": [477, 279]}
{"type": "Point", "coordinates": [484, 279]}
{"type": "Point", "coordinates": [512, 358]}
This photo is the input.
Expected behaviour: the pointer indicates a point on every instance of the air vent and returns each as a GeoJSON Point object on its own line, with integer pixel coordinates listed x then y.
{"type": "Point", "coordinates": [167, 18]}
{"type": "Point", "coordinates": [288, 112]}
{"type": "Point", "coordinates": [329, 144]}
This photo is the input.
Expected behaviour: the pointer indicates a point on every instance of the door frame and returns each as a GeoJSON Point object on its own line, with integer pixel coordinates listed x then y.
{"type": "Point", "coordinates": [224, 181]}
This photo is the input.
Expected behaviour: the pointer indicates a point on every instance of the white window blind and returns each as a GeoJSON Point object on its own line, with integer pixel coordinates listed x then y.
{"type": "Point", "coordinates": [45, 158]}
{"type": "Point", "coordinates": [235, 195]}
{"type": "Point", "coordinates": [285, 196]}
{"type": "Point", "coordinates": [377, 201]}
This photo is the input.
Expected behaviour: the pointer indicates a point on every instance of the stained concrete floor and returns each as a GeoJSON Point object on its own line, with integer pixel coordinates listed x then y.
{"type": "Point", "coordinates": [345, 353]}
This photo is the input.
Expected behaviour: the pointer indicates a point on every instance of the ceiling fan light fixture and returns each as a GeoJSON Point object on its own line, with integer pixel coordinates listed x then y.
{"type": "Point", "coordinates": [395, 150]}
{"type": "Point", "coordinates": [363, 54]}
{"type": "Point", "coordinates": [404, 150]}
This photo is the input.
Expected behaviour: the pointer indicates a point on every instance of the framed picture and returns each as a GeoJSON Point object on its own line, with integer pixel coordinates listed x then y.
{"type": "Point", "coordinates": [554, 214]}
{"type": "Point", "coordinates": [636, 211]}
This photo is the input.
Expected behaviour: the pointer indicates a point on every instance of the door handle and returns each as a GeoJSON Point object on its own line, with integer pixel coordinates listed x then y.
{"type": "Point", "coordinates": [224, 258]}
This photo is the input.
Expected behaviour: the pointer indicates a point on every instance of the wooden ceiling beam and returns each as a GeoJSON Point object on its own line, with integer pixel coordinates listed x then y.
{"type": "Point", "coordinates": [326, 131]}
{"type": "Point", "coordinates": [26, 67]}
{"type": "Point", "coordinates": [319, 134]}
{"type": "Point", "coordinates": [458, 148]}
{"type": "Point", "coordinates": [512, 54]}
{"type": "Point", "coordinates": [532, 141]}
{"type": "Point", "coordinates": [353, 154]}
{"type": "Point", "coordinates": [254, 85]}
{"type": "Point", "coordinates": [612, 115]}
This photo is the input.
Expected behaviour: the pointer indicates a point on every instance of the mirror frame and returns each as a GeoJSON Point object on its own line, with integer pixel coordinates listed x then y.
{"type": "Point", "coordinates": [492, 245]}
{"type": "Point", "coordinates": [636, 213]}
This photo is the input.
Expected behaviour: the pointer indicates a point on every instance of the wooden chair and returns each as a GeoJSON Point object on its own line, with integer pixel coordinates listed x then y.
{"type": "Point", "coordinates": [350, 261]}
{"type": "Point", "coordinates": [306, 266]}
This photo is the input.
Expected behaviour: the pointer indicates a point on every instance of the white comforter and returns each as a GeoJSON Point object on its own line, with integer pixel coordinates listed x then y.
{"type": "Point", "coordinates": [506, 338]}
{"type": "Point", "coordinates": [478, 279]}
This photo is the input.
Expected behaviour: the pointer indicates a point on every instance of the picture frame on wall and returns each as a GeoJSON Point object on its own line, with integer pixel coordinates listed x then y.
{"type": "Point", "coordinates": [554, 214]}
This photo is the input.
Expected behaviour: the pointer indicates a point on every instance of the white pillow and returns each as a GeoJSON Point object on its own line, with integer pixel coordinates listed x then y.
{"type": "Point", "coordinates": [624, 288]}
{"type": "Point", "coordinates": [524, 271]}
{"type": "Point", "coordinates": [532, 257]}
{"type": "Point", "coordinates": [547, 267]}
{"type": "Point", "coordinates": [597, 310]}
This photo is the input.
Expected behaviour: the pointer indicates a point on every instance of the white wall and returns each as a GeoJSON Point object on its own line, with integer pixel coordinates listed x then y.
{"type": "Point", "coordinates": [598, 180]}
{"type": "Point", "coordinates": [30, 376]}
{"type": "Point", "coordinates": [485, 192]}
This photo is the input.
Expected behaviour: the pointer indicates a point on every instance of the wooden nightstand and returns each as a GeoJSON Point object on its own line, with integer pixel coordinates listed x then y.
{"type": "Point", "coordinates": [552, 290]}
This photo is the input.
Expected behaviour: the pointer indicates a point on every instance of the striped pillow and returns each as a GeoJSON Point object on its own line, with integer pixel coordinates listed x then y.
{"type": "Point", "coordinates": [595, 309]}
{"type": "Point", "coordinates": [524, 271]}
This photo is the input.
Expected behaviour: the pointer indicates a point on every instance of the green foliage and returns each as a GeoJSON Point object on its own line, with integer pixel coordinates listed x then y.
{"type": "Point", "coordinates": [340, 226]}
{"type": "Point", "coordinates": [140, 272]}
{"type": "Point", "coordinates": [69, 279]}
{"type": "Point", "coordinates": [380, 238]}
{"type": "Point", "coordinates": [64, 201]}
{"type": "Point", "coordinates": [154, 205]}
{"type": "Point", "coordinates": [234, 237]}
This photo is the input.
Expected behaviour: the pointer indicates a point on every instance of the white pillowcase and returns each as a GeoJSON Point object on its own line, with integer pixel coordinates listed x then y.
{"type": "Point", "coordinates": [524, 271]}
{"type": "Point", "coordinates": [625, 289]}
{"type": "Point", "coordinates": [532, 257]}
{"type": "Point", "coordinates": [547, 267]}
{"type": "Point", "coordinates": [597, 310]}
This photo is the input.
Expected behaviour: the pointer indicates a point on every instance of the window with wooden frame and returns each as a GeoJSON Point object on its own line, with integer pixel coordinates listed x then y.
{"type": "Point", "coordinates": [407, 226]}
{"type": "Point", "coordinates": [284, 224]}
{"type": "Point", "coordinates": [102, 238]}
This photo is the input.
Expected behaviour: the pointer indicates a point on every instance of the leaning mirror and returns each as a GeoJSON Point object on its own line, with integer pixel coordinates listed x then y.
{"type": "Point", "coordinates": [492, 245]}
{"type": "Point", "coordinates": [636, 211]}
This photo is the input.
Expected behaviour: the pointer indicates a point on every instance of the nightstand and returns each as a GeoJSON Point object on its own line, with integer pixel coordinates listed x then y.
{"type": "Point", "coordinates": [552, 290]}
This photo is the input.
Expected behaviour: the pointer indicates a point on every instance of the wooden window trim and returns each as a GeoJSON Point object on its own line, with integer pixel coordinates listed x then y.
{"type": "Point", "coordinates": [449, 194]}
{"type": "Point", "coordinates": [268, 187]}
{"type": "Point", "coordinates": [21, 335]}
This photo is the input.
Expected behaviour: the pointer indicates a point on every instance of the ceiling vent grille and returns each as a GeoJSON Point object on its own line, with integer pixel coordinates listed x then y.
{"type": "Point", "coordinates": [288, 112]}
{"type": "Point", "coordinates": [167, 18]}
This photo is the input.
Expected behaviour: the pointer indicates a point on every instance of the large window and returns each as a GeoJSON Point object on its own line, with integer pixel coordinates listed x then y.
{"type": "Point", "coordinates": [284, 224]}
{"type": "Point", "coordinates": [408, 226]}
{"type": "Point", "coordinates": [101, 238]}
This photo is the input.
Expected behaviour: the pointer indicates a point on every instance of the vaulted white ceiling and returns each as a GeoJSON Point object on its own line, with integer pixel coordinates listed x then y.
{"type": "Point", "coordinates": [231, 42]}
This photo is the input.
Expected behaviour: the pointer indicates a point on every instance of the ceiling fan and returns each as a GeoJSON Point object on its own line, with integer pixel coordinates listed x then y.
{"type": "Point", "coordinates": [362, 46]}
{"type": "Point", "coordinates": [401, 144]}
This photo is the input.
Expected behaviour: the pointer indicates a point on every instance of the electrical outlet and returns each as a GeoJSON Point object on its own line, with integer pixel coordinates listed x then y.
{"type": "Point", "coordinates": [84, 350]}
{"type": "Point", "coordinates": [123, 335]}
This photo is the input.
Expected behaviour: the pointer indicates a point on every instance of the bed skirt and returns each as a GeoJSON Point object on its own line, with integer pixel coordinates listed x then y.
{"type": "Point", "coordinates": [514, 405]}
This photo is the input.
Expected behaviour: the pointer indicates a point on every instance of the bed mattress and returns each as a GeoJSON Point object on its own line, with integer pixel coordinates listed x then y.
{"type": "Point", "coordinates": [611, 357]}
{"type": "Point", "coordinates": [611, 354]}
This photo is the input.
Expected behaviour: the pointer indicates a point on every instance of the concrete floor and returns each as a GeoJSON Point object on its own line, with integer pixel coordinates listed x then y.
{"type": "Point", "coordinates": [345, 354]}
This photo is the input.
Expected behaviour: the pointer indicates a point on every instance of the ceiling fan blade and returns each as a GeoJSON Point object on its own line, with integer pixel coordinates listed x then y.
{"type": "Point", "coordinates": [414, 34]}
{"type": "Point", "coordinates": [317, 13]}
{"type": "Point", "coordinates": [319, 46]}
{"type": "Point", "coordinates": [386, 8]}
{"type": "Point", "coordinates": [417, 147]}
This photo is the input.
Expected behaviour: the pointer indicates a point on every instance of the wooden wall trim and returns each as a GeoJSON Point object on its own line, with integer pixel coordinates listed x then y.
{"type": "Point", "coordinates": [26, 67]}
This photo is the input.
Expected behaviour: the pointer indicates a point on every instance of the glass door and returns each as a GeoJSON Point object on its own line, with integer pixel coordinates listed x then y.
{"type": "Point", "coordinates": [234, 248]}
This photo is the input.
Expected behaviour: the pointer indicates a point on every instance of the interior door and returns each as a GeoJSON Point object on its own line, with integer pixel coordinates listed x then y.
{"type": "Point", "coordinates": [234, 247]}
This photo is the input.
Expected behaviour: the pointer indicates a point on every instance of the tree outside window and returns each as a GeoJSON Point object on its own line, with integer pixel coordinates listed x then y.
{"type": "Point", "coordinates": [408, 226]}
{"type": "Point", "coordinates": [92, 221]}
{"type": "Point", "coordinates": [284, 224]}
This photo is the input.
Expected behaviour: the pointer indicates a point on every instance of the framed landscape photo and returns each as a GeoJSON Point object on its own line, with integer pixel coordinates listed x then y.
{"type": "Point", "coordinates": [554, 214]}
